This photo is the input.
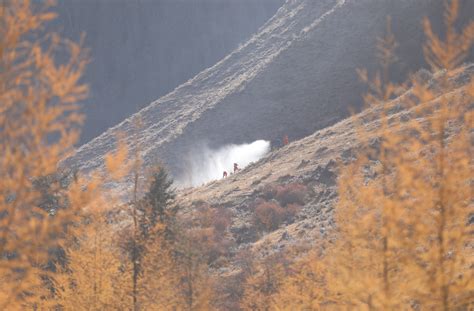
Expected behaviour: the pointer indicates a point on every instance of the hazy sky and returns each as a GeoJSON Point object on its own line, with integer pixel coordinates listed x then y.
{"type": "Point", "coordinates": [143, 49]}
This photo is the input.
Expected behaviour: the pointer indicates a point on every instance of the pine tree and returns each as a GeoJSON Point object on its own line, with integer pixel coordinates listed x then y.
{"type": "Point", "coordinates": [157, 206]}
{"type": "Point", "coordinates": [149, 243]}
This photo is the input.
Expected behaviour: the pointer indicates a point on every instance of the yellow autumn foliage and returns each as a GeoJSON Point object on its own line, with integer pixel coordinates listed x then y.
{"type": "Point", "coordinates": [39, 125]}
{"type": "Point", "coordinates": [39, 121]}
{"type": "Point", "coordinates": [403, 238]}
{"type": "Point", "coordinates": [92, 278]}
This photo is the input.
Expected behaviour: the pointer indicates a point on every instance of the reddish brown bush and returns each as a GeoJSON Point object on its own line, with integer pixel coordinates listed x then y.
{"type": "Point", "coordinates": [291, 194]}
{"type": "Point", "coordinates": [207, 229]}
{"type": "Point", "coordinates": [269, 215]}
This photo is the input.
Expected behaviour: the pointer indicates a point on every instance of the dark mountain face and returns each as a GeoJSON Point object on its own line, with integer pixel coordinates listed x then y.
{"type": "Point", "coordinates": [143, 49]}
{"type": "Point", "coordinates": [314, 83]}
{"type": "Point", "coordinates": [295, 76]}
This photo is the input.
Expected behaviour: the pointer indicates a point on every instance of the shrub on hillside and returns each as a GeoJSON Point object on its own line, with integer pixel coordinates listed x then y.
{"type": "Point", "coordinates": [293, 193]}
{"type": "Point", "coordinates": [208, 229]}
{"type": "Point", "coordinates": [270, 215]}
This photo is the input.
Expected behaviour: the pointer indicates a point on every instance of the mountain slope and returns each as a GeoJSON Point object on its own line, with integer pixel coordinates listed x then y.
{"type": "Point", "coordinates": [296, 75]}
{"type": "Point", "coordinates": [313, 161]}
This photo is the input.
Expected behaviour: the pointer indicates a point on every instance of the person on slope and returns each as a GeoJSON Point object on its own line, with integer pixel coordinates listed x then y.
{"type": "Point", "coordinates": [236, 167]}
{"type": "Point", "coordinates": [224, 175]}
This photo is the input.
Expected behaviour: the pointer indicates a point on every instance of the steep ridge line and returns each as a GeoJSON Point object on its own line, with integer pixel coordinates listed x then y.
{"type": "Point", "coordinates": [295, 76]}
{"type": "Point", "coordinates": [166, 118]}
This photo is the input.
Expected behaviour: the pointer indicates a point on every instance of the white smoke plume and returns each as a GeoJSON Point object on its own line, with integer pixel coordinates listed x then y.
{"type": "Point", "coordinates": [205, 164]}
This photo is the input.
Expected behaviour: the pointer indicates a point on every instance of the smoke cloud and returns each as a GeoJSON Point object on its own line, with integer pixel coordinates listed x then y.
{"type": "Point", "coordinates": [205, 164]}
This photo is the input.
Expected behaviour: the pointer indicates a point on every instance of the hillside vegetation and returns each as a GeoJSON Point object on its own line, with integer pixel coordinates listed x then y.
{"type": "Point", "coordinates": [374, 212]}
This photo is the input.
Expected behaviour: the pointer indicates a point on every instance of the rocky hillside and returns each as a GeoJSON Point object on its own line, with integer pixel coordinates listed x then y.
{"type": "Point", "coordinates": [313, 162]}
{"type": "Point", "coordinates": [295, 76]}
